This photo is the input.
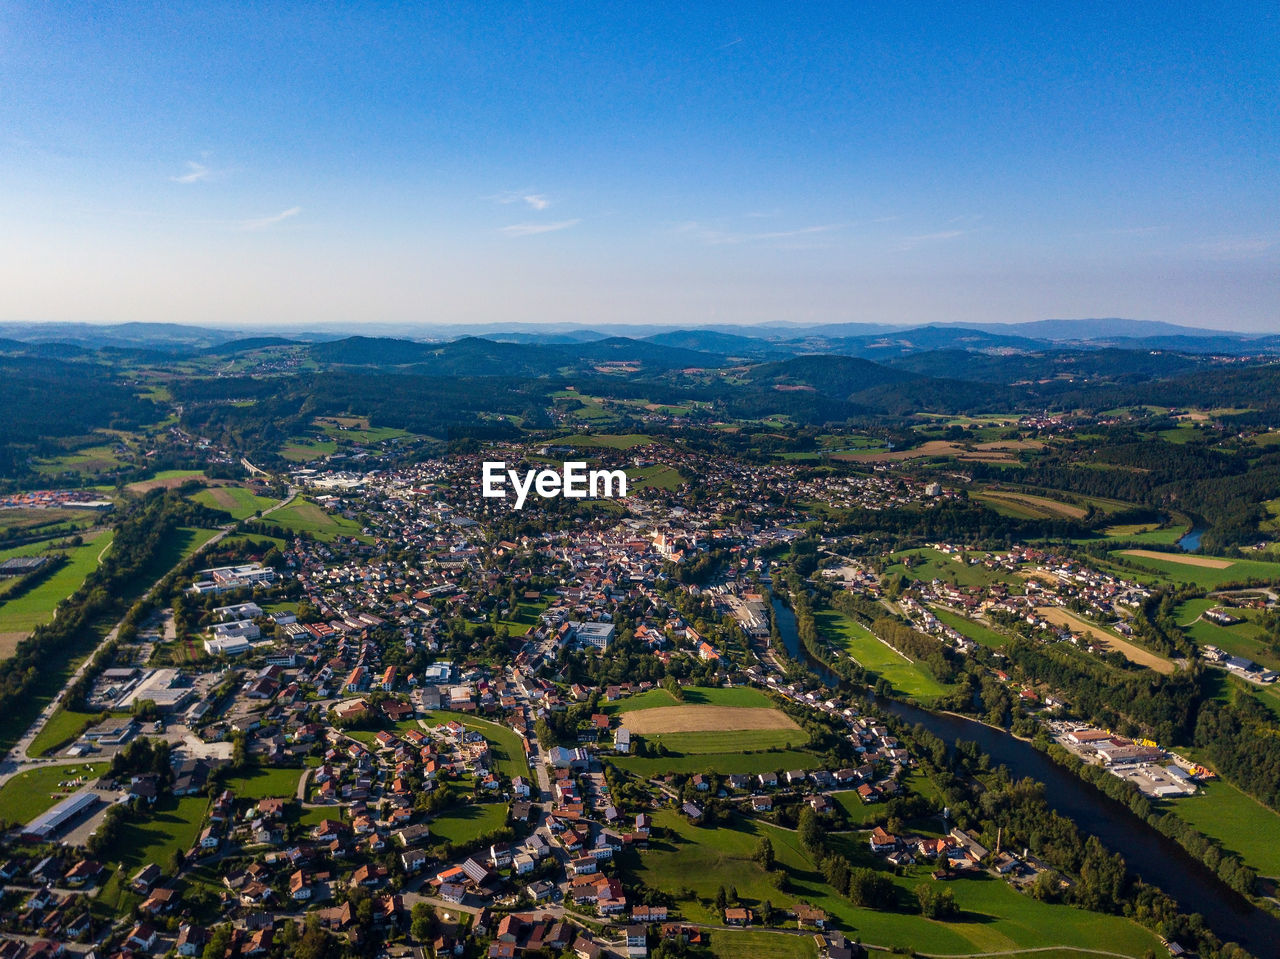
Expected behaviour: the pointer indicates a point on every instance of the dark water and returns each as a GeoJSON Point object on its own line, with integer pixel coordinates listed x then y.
{"type": "Point", "coordinates": [1152, 857]}
{"type": "Point", "coordinates": [1191, 542]}
{"type": "Point", "coordinates": [791, 641]}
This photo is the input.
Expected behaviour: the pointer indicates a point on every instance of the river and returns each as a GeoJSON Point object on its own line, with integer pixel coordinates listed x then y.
{"type": "Point", "coordinates": [1151, 856]}
{"type": "Point", "coordinates": [1191, 541]}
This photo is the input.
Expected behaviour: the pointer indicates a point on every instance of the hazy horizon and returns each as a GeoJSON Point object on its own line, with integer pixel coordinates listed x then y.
{"type": "Point", "coordinates": [245, 167]}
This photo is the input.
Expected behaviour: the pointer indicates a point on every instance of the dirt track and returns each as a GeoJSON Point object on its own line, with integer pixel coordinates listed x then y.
{"type": "Point", "coordinates": [700, 719]}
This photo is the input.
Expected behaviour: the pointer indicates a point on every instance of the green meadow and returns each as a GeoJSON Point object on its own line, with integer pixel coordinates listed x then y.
{"type": "Point", "coordinates": [970, 628]}
{"type": "Point", "coordinates": [1172, 571]}
{"type": "Point", "coordinates": [994, 918]}
{"type": "Point", "coordinates": [612, 441]}
{"type": "Point", "coordinates": [723, 763]}
{"type": "Point", "coordinates": [1241, 823]}
{"type": "Point", "coordinates": [304, 516]}
{"type": "Point", "coordinates": [870, 653]}
{"type": "Point", "coordinates": [28, 794]}
{"type": "Point", "coordinates": [24, 612]}
{"type": "Point", "coordinates": [236, 500]}
{"type": "Point", "coordinates": [693, 696]}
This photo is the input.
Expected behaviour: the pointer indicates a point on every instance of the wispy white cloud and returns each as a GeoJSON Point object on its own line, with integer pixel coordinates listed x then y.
{"type": "Point", "coordinates": [923, 239]}
{"type": "Point", "coordinates": [1238, 247]}
{"type": "Point", "coordinates": [534, 201]}
{"type": "Point", "coordinates": [196, 173]}
{"type": "Point", "coordinates": [717, 237]}
{"type": "Point", "coordinates": [533, 229]}
{"type": "Point", "coordinates": [262, 223]}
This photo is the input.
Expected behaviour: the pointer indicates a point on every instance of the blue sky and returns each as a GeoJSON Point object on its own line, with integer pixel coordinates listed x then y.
{"type": "Point", "coordinates": [278, 163]}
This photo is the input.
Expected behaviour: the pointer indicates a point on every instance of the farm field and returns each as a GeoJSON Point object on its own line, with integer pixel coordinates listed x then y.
{"type": "Point", "coordinates": [657, 476]}
{"type": "Point", "coordinates": [236, 500]}
{"type": "Point", "coordinates": [970, 628]}
{"type": "Point", "coordinates": [1241, 823]}
{"type": "Point", "coordinates": [28, 794]}
{"type": "Point", "coordinates": [995, 917]}
{"type": "Point", "coordinates": [166, 479]}
{"type": "Point", "coordinates": [1146, 533]}
{"type": "Point", "coordinates": [723, 763]}
{"type": "Point", "coordinates": [998, 451]}
{"type": "Point", "coordinates": [697, 719]}
{"type": "Point", "coordinates": [1026, 505]}
{"type": "Point", "coordinates": [90, 459]}
{"type": "Point", "coordinates": [21, 614]}
{"type": "Point", "coordinates": [693, 696]}
{"type": "Point", "coordinates": [613, 441]}
{"type": "Point", "coordinates": [1189, 568]}
{"type": "Point", "coordinates": [728, 740]}
{"type": "Point", "coordinates": [870, 653]}
{"type": "Point", "coordinates": [304, 516]}
{"type": "Point", "coordinates": [356, 429]}
{"type": "Point", "coordinates": [1132, 652]}
{"type": "Point", "coordinates": [46, 522]}
{"type": "Point", "coordinates": [302, 451]}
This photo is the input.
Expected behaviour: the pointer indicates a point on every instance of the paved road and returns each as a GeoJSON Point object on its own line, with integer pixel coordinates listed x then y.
{"type": "Point", "coordinates": [17, 759]}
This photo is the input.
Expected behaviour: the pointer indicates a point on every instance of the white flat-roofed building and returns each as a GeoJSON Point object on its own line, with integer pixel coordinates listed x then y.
{"type": "Point", "coordinates": [226, 647]}
{"type": "Point", "coordinates": [599, 635]}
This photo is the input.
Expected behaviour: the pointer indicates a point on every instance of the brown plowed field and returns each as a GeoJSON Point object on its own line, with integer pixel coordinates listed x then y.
{"type": "Point", "coordinates": [699, 719]}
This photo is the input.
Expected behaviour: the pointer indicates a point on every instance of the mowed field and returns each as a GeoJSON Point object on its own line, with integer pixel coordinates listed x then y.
{"type": "Point", "coordinates": [166, 479]}
{"type": "Point", "coordinates": [1239, 822]}
{"type": "Point", "coordinates": [236, 500]}
{"type": "Point", "coordinates": [22, 613]}
{"type": "Point", "coordinates": [28, 794]}
{"type": "Point", "coordinates": [693, 696]}
{"type": "Point", "coordinates": [999, 451]}
{"type": "Point", "coordinates": [304, 516]}
{"type": "Point", "coordinates": [866, 649]}
{"type": "Point", "coordinates": [1187, 568]}
{"type": "Point", "coordinates": [1130, 651]}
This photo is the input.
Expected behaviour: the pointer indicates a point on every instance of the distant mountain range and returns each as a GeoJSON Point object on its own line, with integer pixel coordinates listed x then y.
{"type": "Point", "coordinates": [528, 348]}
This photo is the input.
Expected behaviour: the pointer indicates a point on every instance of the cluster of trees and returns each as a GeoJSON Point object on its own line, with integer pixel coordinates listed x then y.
{"type": "Point", "coordinates": [1162, 707]}
{"type": "Point", "coordinates": [1242, 740]}
{"type": "Point", "coordinates": [861, 885]}
{"type": "Point", "coordinates": [918, 646]}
